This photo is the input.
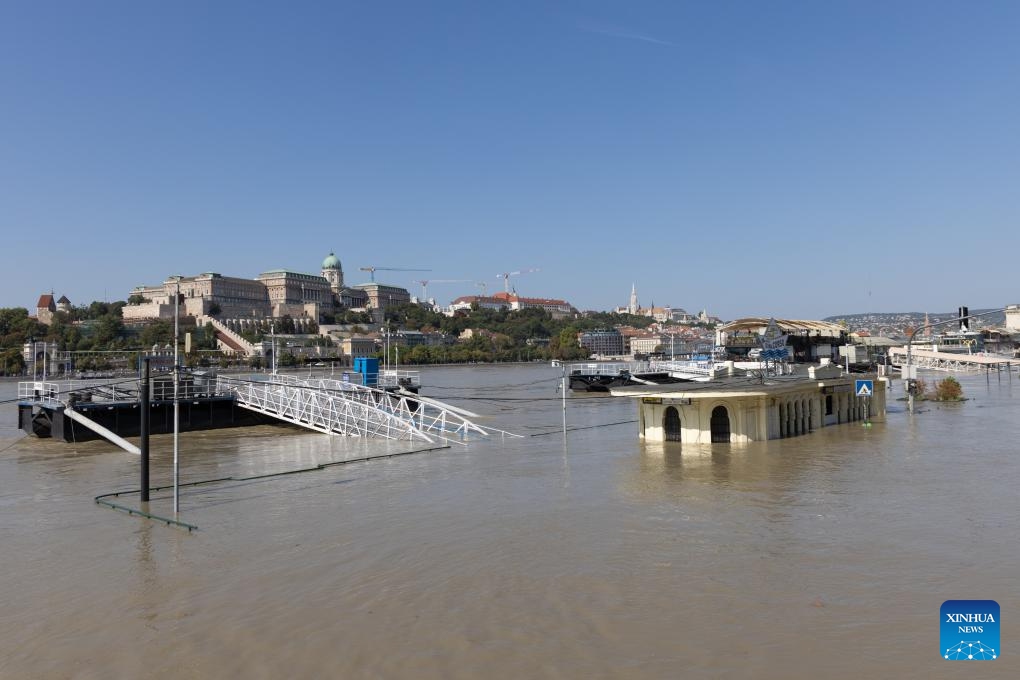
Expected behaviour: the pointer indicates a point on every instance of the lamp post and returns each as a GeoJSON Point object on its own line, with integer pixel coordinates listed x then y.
{"type": "Point", "coordinates": [177, 400]}
{"type": "Point", "coordinates": [910, 342]}
{"type": "Point", "coordinates": [272, 334]}
{"type": "Point", "coordinates": [563, 390]}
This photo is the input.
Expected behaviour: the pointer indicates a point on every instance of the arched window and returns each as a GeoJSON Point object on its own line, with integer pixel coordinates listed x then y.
{"type": "Point", "coordinates": [720, 425]}
{"type": "Point", "coordinates": [671, 424]}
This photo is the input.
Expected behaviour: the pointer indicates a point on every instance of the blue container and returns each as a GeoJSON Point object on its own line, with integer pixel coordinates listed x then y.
{"type": "Point", "coordinates": [368, 367]}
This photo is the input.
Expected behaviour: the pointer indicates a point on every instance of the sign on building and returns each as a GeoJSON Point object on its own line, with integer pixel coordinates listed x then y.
{"type": "Point", "coordinates": [773, 338]}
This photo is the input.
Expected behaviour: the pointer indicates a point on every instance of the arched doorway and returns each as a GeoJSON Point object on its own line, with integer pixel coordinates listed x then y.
{"type": "Point", "coordinates": [720, 425]}
{"type": "Point", "coordinates": [671, 424]}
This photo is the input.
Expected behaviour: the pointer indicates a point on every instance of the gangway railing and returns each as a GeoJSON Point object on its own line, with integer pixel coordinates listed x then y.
{"type": "Point", "coordinates": [56, 393]}
{"type": "Point", "coordinates": [389, 377]}
{"type": "Point", "coordinates": [946, 361]}
{"type": "Point", "coordinates": [40, 392]}
{"type": "Point", "coordinates": [606, 368]}
{"type": "Point", "coordinates": [349, 409]}
{"type": "Point", "coordinates": [681, 369]}
{"type": "Point", "coordinates": [321, 404]}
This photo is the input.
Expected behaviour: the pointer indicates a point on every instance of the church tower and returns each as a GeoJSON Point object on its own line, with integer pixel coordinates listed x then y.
{"type": "Point", "coordinates": [633, 308]}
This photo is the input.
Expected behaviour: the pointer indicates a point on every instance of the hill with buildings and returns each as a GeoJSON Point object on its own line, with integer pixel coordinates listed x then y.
{"type": "Point", "coordinates": [894, 324]}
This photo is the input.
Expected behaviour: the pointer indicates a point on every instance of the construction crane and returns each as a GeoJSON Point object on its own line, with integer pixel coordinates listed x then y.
{"type": "Point", "coordinates": [506, 277]}
{"type": "Point", "coordinates": [373, 270]}
{"type": "Point", "coordinates": [425, 285]}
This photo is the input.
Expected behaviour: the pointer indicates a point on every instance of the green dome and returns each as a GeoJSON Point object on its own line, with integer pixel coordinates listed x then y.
{"type": "Point", "coordinates": [331, 262]}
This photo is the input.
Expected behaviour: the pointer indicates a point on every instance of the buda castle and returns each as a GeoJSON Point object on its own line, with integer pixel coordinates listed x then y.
{"type": "Point", "coordinates": [272, 294]}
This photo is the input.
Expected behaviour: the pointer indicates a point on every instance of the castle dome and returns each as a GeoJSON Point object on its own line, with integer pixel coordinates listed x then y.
{"type": "Point", "coordinates": [331, 262]}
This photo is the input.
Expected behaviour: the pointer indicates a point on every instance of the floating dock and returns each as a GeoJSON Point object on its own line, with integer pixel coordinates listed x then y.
{"type": "Point", "coordinates": [43, 409]}
{"type": "Point", "coordinates": [76, 411]}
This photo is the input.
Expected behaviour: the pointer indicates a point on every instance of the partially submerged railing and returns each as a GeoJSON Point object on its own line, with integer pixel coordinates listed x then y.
{"type": "Point", "coordinates": [606, 368]}
{"type": "Point", "coordinates": [684, 368]}
{"type": "Point", "coordinates": [321, 404]}
{"type": "Point", "coordinates": [337, 407]}
{"type": "Point", "coordinates": [399, 378]}
{"type": "Point", "coordinates": [189, 387]}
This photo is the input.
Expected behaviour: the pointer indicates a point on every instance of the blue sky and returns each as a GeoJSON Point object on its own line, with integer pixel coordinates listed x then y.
{"type": "Point", "coordinates": [796, 159]}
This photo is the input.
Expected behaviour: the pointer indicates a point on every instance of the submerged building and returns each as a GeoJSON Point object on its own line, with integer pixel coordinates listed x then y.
{"type": "Point", "coordinates": [743, 408]}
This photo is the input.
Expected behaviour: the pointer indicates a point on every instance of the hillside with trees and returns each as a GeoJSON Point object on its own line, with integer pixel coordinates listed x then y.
{"type": "Point", "coordinates": [98, 334]}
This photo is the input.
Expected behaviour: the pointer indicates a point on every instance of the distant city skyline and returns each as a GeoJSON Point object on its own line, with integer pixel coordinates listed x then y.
{"type": "Point", "coordinates": [791, 159]}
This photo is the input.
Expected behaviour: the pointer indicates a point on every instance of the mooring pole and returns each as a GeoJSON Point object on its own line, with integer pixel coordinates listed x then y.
{"type": "Point", "coordinates": [143, 445]}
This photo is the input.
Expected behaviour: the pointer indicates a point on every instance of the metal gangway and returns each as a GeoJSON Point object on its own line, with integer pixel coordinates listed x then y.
{"type": "Point", "coordinates": [949, 361]}
{"type": "Point", "coordinates": [697, 371]}
{"type": "Point", "coordinates": [349, 409]}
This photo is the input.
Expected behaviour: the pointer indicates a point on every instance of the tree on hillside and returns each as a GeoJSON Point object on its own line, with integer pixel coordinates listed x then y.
{"type": "Point", "coordinates": [16, 327]}
{"type": "Point", "coordinates": [160, 332]}
{"type": "Point", "coordinates": [565, 345]}
{"type": "Point", "coordinates": [109, 329]}
{"type": "Point", "coordinates": [58, 329]}
{"type": "Point", "coordinates": [11, 361]}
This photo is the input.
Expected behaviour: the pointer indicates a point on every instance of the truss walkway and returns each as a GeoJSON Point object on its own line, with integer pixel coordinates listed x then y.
{"type": "Point", "coordinates": [697, 371]}
{"type": "Point", "coordinates": [948, 361]}
{"type": "Point", "coordinates": [349, 409]}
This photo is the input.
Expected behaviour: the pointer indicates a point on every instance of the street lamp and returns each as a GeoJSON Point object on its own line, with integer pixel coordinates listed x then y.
{"type": "Point", "coordinates": [557, 363]}
{"type": "Point", "coordinates": [177, 401]}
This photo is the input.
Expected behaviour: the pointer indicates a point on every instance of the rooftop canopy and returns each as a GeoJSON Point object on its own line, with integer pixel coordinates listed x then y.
{"type": "Point", "coordinates": [789, 326]}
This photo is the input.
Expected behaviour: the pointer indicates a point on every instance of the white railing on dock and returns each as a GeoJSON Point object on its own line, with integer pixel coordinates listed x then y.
{"type": "Point", "coordinates": [39, 392]}
{"type": "Point", "coordinates": [161, 389]}
{"type": "Point", "coordinates": [684, 369]}
{"type": "Point", "coordinates": [607, 368]}
{"type": "Point", "coordinates": [676, 368]}
{"type": "Point", "coordinates": [399, 378]}
{"type": "Point", "coordinates": [344, 408]}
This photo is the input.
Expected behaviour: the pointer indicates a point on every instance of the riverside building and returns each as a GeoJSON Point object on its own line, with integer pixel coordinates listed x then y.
{"type": "Point", "coordinates": [744, 408]}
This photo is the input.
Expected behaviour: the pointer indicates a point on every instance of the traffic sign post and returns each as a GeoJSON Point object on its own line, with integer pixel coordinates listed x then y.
{"type": "Point", "coordinates": [865, 388]}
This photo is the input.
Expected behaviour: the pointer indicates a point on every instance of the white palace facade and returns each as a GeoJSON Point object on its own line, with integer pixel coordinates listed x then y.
{"type": "Point", "coordinates": [272, 294]}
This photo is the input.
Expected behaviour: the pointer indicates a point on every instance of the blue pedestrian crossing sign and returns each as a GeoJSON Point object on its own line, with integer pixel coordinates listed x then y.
{"type": "Point", "coordinates": [864, 388]}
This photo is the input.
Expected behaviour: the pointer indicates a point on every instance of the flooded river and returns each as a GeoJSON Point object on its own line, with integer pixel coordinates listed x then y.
{"type": "Point", "coordinates": [590, 556]}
